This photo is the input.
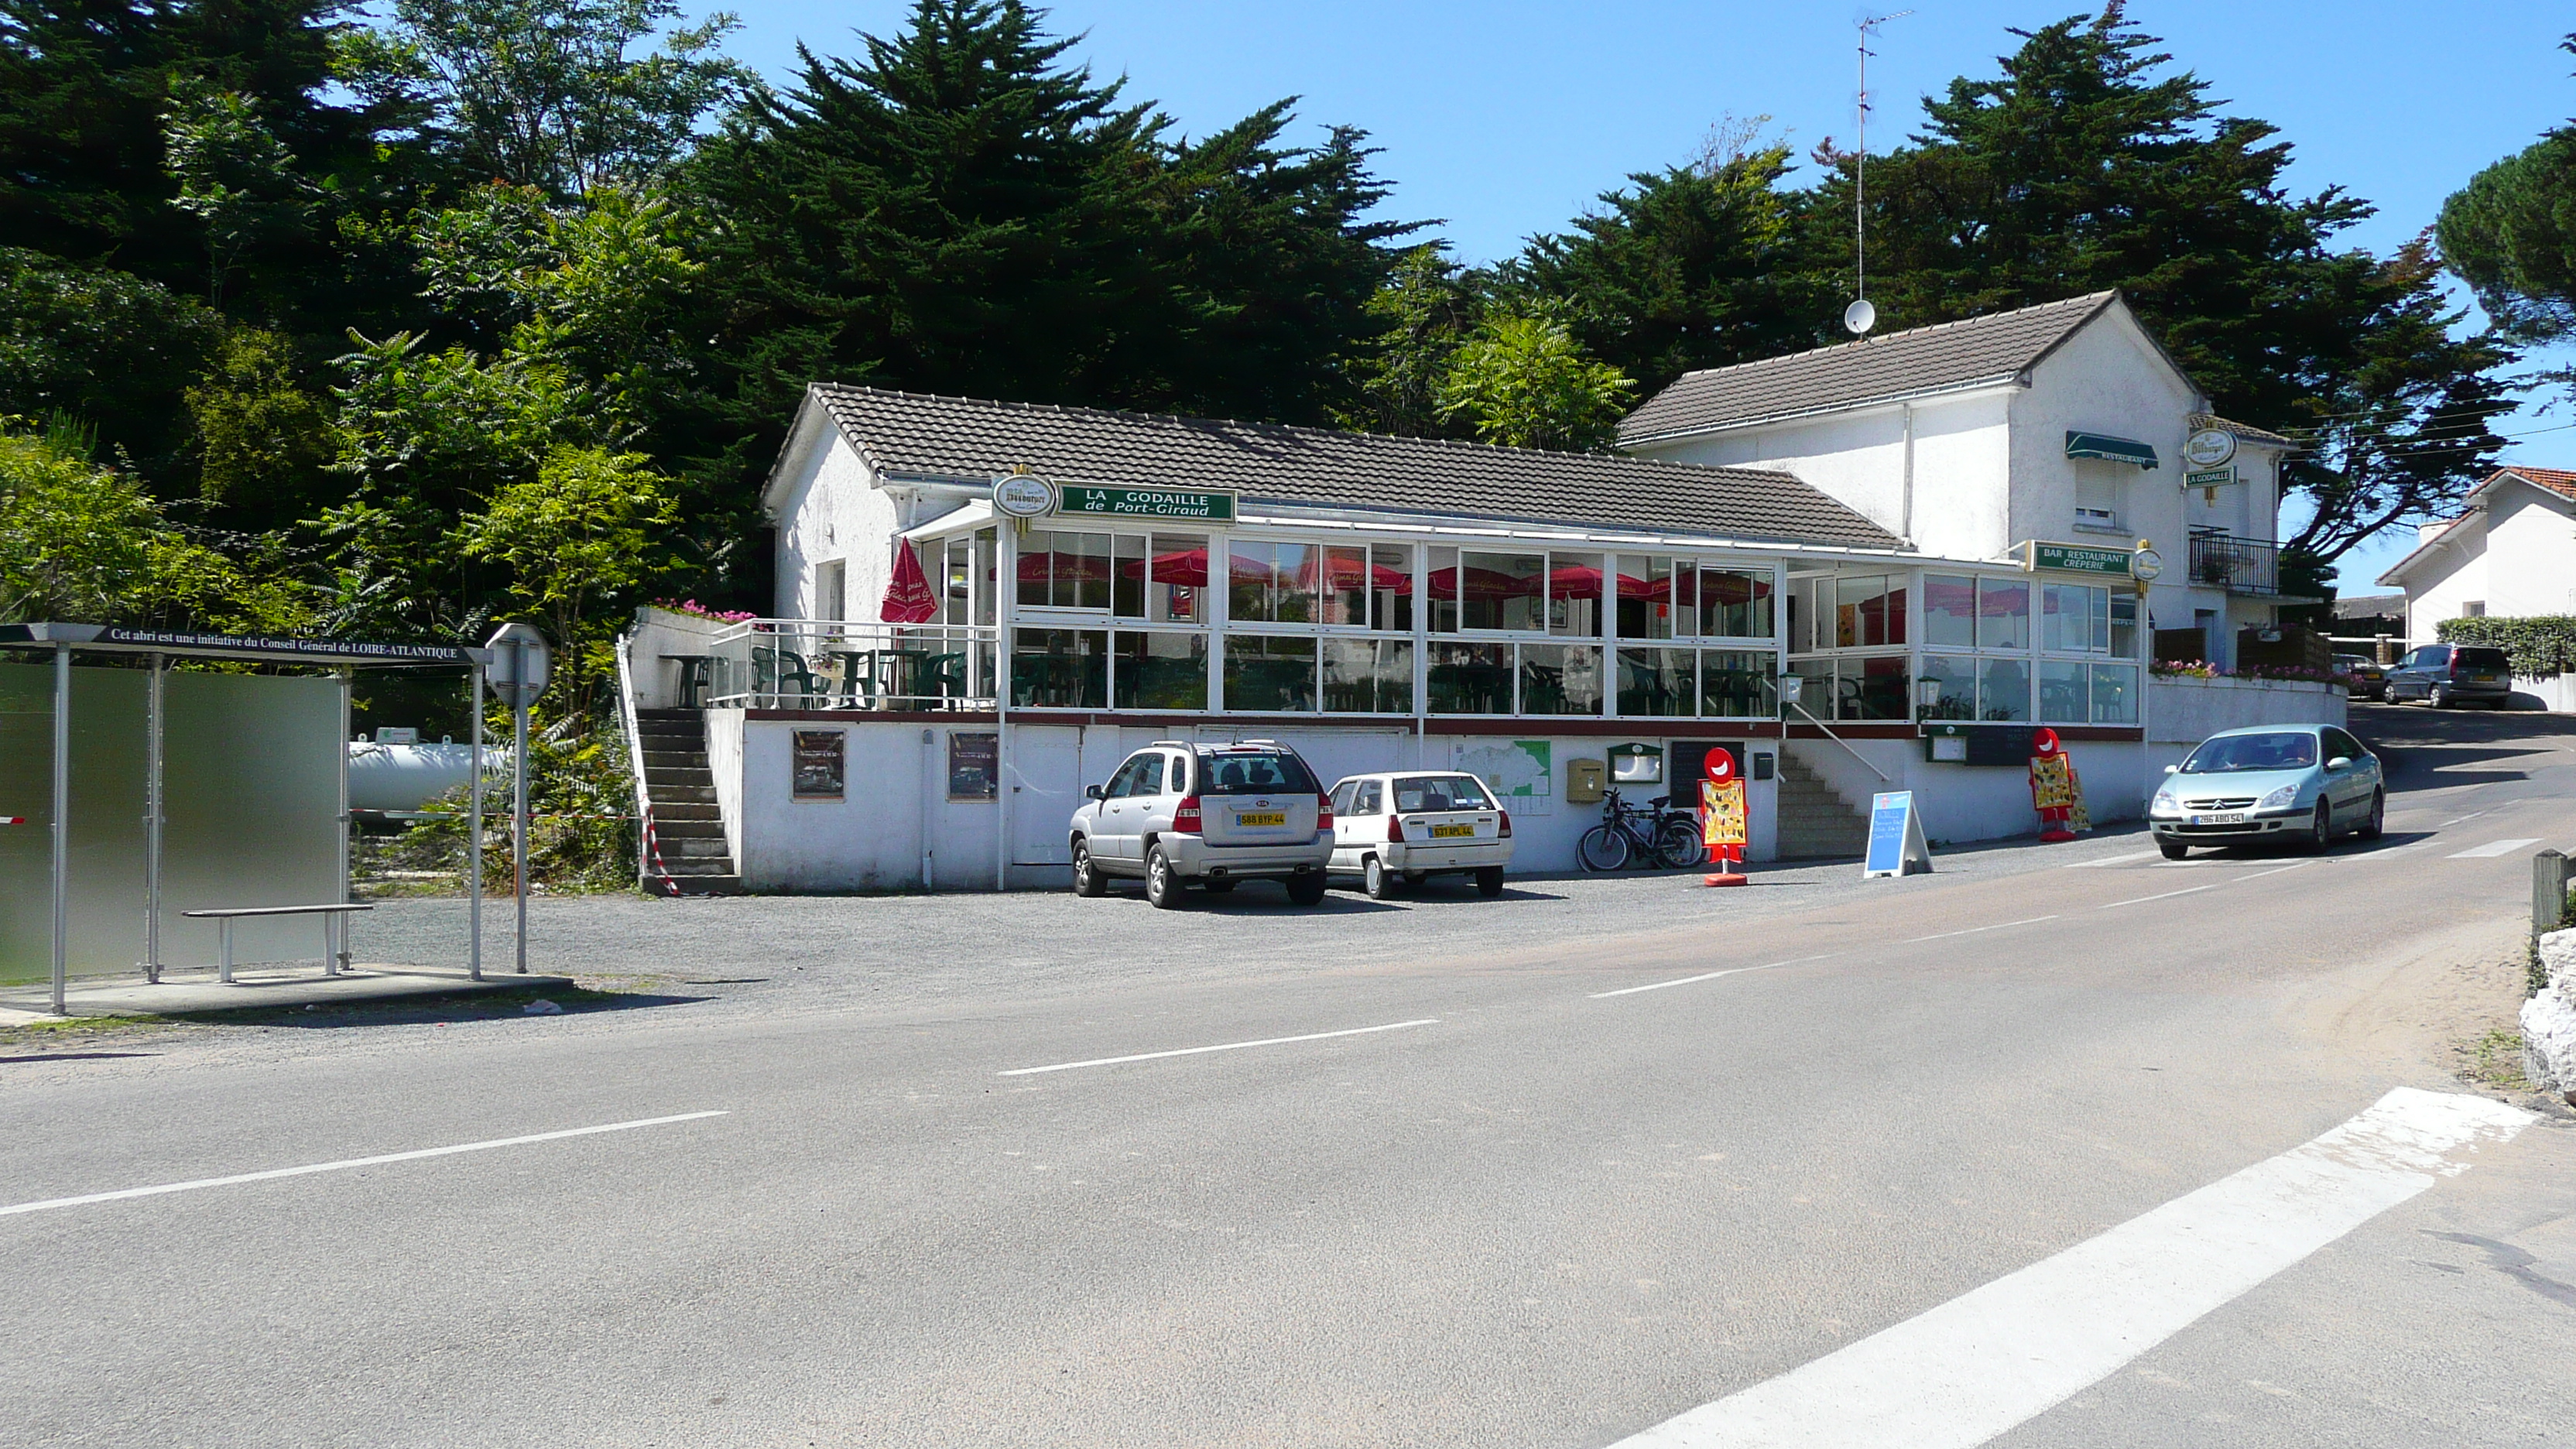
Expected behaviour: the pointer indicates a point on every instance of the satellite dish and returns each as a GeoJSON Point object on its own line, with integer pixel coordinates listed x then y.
{"type": "Point", "coordinates": [1859, 317]}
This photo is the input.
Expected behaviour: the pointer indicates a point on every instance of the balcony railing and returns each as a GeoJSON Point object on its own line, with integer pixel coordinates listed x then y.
{"type": "Point", "coordinates": [2238, 565]}
{"type": "Point", "coordinates": [832, 664]}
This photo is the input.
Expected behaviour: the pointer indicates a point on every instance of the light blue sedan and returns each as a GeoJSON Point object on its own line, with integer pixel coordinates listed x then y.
{"type": "Point", "coordinates": [2301, 784]}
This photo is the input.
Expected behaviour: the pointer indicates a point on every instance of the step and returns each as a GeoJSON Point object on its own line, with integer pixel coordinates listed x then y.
{"type": "Point", "coordinates": [664, 795]}
{"type": "Point", "coordinates": [689, 829]}
{"type": "Point", "coordinates": [673, 759]}
{"type": "Point", "coordinates": [674, 851]}
{"type": "Point", "coordinates": [673, 814]}
{"type": "Point", "coordinates": [697, 864]}
{"type": "Point", "coordinates": [697, 885]}
{"type": "Point", "coordinates": [656, 777]}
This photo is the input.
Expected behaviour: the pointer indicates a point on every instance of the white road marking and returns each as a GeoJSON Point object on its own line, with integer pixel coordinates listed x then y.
{"type": "Point", "coordinates": [2493, 848]}
{"type": "Point", "coordinates": [2472, 815]}
{"type": "Point", "coordinates": [1972, 930]}
{"type": "Point", "coordinates": [2003, 1354]}
{"type": "Point", "coordinates": [2276, 870]}
{"type": "Point", "coordinates": [346, 1163]}
{"type": "Point", "coordinates": [1707, 976]}
{"type": "Point", "coordinates": [2110, 860]}
{"type": "Point", "coordinates": [1232, 1046]}
{"type": "Point", "coordinates": [2168, 895]}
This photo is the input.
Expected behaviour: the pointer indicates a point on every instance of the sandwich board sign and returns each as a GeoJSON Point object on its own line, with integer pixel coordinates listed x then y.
{"type": "Point", "coordinates": [1896, 844]}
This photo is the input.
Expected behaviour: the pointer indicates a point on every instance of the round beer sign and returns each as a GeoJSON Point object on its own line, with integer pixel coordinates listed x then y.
{"type": "Point", "coordinates": [1023, 495]}
{"type": "Point", "coordinates": [2209, 448]}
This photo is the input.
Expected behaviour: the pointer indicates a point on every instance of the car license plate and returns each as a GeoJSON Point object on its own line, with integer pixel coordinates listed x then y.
{"type": "Point", "coordinates": [2234, 818]}
{"type": "Point", "coordinates": [1262, 817]}
{"type": "Point", "coordinates": [1453, 832]}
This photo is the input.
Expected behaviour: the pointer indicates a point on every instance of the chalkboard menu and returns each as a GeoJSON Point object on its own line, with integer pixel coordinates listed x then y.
{"type": "Point", "coordinates": [1979, 744]}
{"type": "Point", "coordinates": [820, 762]}
{"type": "Point", "coordinates": [974, 765]}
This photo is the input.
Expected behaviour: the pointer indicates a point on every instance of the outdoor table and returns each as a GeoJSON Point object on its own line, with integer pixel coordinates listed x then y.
{"type": "Point", "coordinates": [694, 672]}
{"type": "Point", "coordinates": [858, 667]}
{"type": "Point", "coordinates": [335, 932]}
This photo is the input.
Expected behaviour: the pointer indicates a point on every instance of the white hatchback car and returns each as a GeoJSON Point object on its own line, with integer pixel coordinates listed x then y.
{"type": "Point", "coordinates": [1409, 825]}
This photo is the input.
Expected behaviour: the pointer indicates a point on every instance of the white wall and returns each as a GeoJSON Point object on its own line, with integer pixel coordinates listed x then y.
{"type": "Point", "coordinates": [1962, 803]}
{"type": "Point", "coordinates": [2442, 584]}
{"type": "Point", "coordinates": [2182, 710]}
{"type": "Point", "coordinates": [829, 508]}
{"type": "Point", "coordinates": [660, 632]}
{"type": "Point", "coordinates": [2531, 552]}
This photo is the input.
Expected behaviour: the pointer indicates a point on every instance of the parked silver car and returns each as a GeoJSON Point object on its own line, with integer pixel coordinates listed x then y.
{"type": "Point", "coordinates": [2443, 675]}
{"type": "Point", "coordinates": [2301, 784]}
{"type": "Point", "coordinates": [1176, 814]}
{"type": "Point", "coordinates": [1409, 825]}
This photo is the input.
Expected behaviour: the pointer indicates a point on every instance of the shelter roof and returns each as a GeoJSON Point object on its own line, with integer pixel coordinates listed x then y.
{"type": "Point", "coordinates": [972, 439]}
{"type": "Point", "coordinates": [1946, 356]}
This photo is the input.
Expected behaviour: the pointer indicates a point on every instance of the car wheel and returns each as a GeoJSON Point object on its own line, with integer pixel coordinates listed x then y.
{"type": "Point", "coordinates": [2439, 696]}
{"type": "Point", "coordinates": [2377, 823]}
{"type": "Point", "coordinates": [1306, 890]}
{"type": "Point", "coordinates": [1376, 879]}
{"type": "Point", "coordinates": [2173, 849]}
{"type": "Point", "coordinates": [1489, 880]}
{"type": "Point", "coordinates": [1087, 879]}
{"type": "Point", "coordinates": [2320, 830]}
{"type": "Point", "coordinates": [1162, 885]}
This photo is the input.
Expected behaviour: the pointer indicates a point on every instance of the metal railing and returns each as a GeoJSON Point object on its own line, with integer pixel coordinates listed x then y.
{"type": "Point", "coordinates": [2238, 565]}
{"type": "Point", "coordinates": [845, 664]}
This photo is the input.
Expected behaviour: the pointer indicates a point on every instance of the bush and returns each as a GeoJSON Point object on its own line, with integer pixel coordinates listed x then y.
{"type": "Point", "coordinates": [2540, 644]}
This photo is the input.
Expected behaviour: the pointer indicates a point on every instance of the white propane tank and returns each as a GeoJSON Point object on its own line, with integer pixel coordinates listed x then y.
{"type": "Point", "coordinates": [409, 777]}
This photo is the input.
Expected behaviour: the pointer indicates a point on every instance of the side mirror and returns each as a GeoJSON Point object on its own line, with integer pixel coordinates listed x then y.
{"type": "Point", "coordinates": [2173, 769]}
{"type": "Point", "coordinates": [1090, 792]}
{"type": "Point", "coordinates": [2339, 763]}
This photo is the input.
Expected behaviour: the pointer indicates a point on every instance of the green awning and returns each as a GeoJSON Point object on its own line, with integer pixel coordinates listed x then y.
{"type": "Point", "coordinates": [2110, 449]}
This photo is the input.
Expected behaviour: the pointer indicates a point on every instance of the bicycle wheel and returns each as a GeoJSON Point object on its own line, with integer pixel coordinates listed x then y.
{"type": "Point", "coordinates": [1602, 847]}
{"type": "Point", "coordinates": [1679, 843]}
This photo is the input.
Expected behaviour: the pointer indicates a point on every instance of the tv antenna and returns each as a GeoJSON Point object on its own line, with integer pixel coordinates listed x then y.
{"type": "Point", "coordinates": [1860, 316]}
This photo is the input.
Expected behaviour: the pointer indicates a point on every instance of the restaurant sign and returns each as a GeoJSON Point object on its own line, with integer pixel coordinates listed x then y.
{"type": "Point", "coordinates": [1147, 503]}
{"type": "Point", "coordinates": [2074, 558]}
{"type": "Point", "coordinates": [2210, 477]}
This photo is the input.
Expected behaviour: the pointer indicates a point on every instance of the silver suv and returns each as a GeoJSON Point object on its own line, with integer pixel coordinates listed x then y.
{"type": "Point", "coordinates": [1210, 815]}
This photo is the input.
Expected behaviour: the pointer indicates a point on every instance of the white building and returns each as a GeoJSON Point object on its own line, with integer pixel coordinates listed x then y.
{"type": "Point", "coordinates": [1098, 580]}
{"type": "Point", "coordinates": [2510, 553]}
{"type": "Point", "coordinates": [1970, 439]}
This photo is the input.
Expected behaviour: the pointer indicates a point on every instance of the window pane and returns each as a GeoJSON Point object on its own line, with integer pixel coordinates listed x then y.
{"type": "Point", "coordinates": [1875, 688]}
{"type": "Point", "coordinates": [2003, 689]}
{"type": "Point", "coordinates": [1560, 679]}
{"type": "Point", "coordinates": [1081, 565]}
{"type": "Point", "coordinates": [1957, 678]}
{"type": "Point", "coordinates": [1574, 585]}
{"type": "Point", "coordinates": [2124, 625]}
{"type": "Point", "coordinates": [1127, 580]}
{"type": "Point", "coordinates": [1269, 673]}
{"type": "Point", "coordinates": [1737, 685]}
{"type": "Point", "coordinates": [1345, 584]}
{"type": "Point", "coordinates": [1816, 694]}
{"type": "Point", "coordinates": [988, 589]}
{"type": "Point", "coordinates": [1859, 611]}
{"type": "Point", "coordinates": [1734, 604]}
{"type": "Point", "coordinates": [1950, 611]}
{"type": "Point", "coordinates": [2061, 692]}
{"type": "Point", "coordinates": [1471, 679]}
{"type": "Point", "coordinates": [1178, 589]}
{"type": "Point", "coordinates": [1368, 676]}
{"type": "Point", "coordinates": [1391, 582]}
{"type": "Point", "coordinates": [1031, 575]}
{"type": "Point", "coordinates": [1501, 590]}
{"type": "Point", "coordinates": [2115, 694]}
{"type": "Point", "coordinates": [1442, 581]}
{"type": "Point", "coordinates": [2101, 620]}
{"type": "Point", "coordinates": [1655, 682]}
{"type": "Point", "coordinates": [1645, 597]}
{"type": "Point", "coordinates": [2003, 617]}
{"type": "Point", "coordinates": [2066, 617]}
{"type": "Point", "coordinates": [1161, 671]}
{"type": "Point", "coordinates": [1063, 668]}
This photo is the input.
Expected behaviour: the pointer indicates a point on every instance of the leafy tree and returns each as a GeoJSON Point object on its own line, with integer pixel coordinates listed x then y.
{"type": "Point", "coordinates": [581, 532]}
{"type": "Point", "coordinates": [103, 346]}
{"type": "Point", "coordinates": [1698, 266]}
{"type": "Point", "coordinates": [1424, 312]}
{"type": "Point", "coordinates": [265, 443]}
{"type": "Point", "coordinates": [2511, 235]}
{"type": "Point", "coordinates": [958, 212]}
{"type": "Point", "coordinates": [2088, 165]}
{"type": "Point", "coordinates": [1525, 382]}
{"type": "Point", "coordinates": [236, 178]}
{"type": "Point", "coordinates": [546, 93]}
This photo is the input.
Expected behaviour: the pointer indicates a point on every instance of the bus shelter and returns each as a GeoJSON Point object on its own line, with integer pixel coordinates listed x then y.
{"type": "Point", "coordinates": [255, 764]}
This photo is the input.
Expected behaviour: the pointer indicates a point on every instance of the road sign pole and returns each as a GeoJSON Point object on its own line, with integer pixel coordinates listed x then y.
{"type": "Point", "coordinates": [474, 843]}
{"type": "Point", "coordinates": [62, 818]}
{"type": "Point", "coordinates": [519, 801]}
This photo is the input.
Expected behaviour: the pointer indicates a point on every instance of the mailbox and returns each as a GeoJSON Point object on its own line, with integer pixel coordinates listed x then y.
{"type": "Point", "coordinates": [1583, 782]}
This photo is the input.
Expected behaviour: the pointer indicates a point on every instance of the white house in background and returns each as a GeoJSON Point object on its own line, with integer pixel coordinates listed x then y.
{"type": "Point", "coordinates": [2512, 553]}
{"type": "Point", "coordinates": [2062, 422]}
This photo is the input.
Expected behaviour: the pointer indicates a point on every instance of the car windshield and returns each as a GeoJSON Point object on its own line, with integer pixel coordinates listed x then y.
{"type": "Point", "coordinates": [1441, 792]}
{"type": "Point", "coordinates": [1257, 773]}
{"type": "Point", "coordinates": [2283, 751]}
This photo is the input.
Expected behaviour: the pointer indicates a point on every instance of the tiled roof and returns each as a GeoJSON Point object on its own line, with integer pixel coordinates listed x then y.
{"type": "Point", "coordinates": [1901, 364]}
{"type": "Point", "coordinates": [2556, 480]}
{"type": "Point", "coordinates": [2247, 431]}
{"type": "Point", "coordinates": [950, 437]}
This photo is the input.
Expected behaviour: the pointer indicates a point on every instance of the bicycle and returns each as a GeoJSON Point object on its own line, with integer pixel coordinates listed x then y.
{"type": "Point", "coordinates": [1667, 838]}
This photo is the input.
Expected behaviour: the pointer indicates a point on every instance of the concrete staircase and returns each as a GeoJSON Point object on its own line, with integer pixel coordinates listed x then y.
{"type": "Point", "coordinates": [1815, 822]}
{"type": "Point", "coordinates": [682, 795]}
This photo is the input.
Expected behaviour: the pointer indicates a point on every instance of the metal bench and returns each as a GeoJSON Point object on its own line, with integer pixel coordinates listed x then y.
{"type": "Point", "coordinates": [335, 932]}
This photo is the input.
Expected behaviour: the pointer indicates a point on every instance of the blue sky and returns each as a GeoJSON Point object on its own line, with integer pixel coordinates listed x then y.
{"type": "Point", "coordinates": [1506, 118]}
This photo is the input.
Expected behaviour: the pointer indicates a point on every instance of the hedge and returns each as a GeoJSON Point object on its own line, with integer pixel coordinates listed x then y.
{"type": "Point", "coordinates": [2541, 644]}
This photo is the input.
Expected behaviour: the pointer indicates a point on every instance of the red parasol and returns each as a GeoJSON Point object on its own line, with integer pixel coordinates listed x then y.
{"type": "Point", "coordinates": [908, 599]}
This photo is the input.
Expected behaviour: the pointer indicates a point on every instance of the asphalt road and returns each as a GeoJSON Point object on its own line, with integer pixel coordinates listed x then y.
{"type": "Point", "coordinates": [1457, 1179]}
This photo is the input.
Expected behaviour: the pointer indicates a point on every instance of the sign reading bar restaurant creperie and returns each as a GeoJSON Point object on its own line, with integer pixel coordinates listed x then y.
{"type": "Point", "coordinates": [1146, 503]}
{"type": "Point", "coordinates": [2075, 558]}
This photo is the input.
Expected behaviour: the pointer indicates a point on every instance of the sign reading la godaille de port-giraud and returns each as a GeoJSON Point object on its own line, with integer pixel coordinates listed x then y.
{"type": "Point", "coordinates": [1081, 499]}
